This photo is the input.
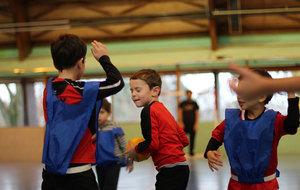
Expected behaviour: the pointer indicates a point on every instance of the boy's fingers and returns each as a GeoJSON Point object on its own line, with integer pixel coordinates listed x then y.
{"type": "Point", "coordinates": [123, 154]}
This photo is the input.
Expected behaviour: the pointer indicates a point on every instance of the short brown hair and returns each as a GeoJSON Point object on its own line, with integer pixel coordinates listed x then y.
{"type": "Point", "coordinates": [150, 76]}
{"type": "Point", "coordinates": [106, 105]}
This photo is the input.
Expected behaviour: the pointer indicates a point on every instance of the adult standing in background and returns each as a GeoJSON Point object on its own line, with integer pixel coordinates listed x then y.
{"type": "Point", "coordinates": [188, 116]}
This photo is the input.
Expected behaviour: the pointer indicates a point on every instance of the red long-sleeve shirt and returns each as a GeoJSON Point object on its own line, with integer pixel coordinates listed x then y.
{"type": "Point", "coordinates": [283, 125]}
{"type": "Point", "coordinates": [164, 139]}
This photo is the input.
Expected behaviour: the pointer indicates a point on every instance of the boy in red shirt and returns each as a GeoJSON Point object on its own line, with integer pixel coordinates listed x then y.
{"type": "Point", "coordinates": [164, 139]}
{"type": "Point", "coordinates": [70, 110]}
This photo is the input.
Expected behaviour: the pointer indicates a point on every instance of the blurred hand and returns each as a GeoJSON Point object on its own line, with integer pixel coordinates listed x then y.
{"type": "Point", "coordinates": [252, 84]}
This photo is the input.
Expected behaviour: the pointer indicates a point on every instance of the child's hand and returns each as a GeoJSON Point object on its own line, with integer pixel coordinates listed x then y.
{"type": "Point", "coordinates": [130, 153]}
{"type": "Point", "coordinates": [129, 168]}
{"type": "Point", "coordinates": [213, 158]}
{"type": "Point", "coordinates": [98, 49]}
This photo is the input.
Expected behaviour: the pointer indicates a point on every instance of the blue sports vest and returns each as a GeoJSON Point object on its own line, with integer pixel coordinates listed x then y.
{"type": "Point", "coordinates": [66, 124]}
{"type": "Point", "coordinates": [105, 152]}
{"type": "Point", "coordinates": [248, 144]}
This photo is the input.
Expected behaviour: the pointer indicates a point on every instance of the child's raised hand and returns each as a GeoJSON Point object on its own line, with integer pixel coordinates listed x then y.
{"type": "Point", "coordinates": [252, 85]}
{"type": "Point", "coordinates": [213, 158]}
{"type": "Point", "coordinates": [98, 49]}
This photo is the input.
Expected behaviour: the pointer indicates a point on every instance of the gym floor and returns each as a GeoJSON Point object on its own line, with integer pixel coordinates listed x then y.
{"type": "Point", "coordinates": [27, 176]}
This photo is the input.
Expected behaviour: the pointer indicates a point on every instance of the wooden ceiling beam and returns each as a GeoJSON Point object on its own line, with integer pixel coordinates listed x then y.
{"type": "Point", "coordinates": [22, 38]}
{"type": "Point", "coordinates": [212, 28]}
{"type": "Point", "coordinates": [193, 3]}
{"type": "Point", "coordinates": [134, 28]}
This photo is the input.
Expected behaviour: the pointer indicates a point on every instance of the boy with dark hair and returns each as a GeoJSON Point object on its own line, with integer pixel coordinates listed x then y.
{"type": "Point", "coordinates": [164, 139]}
{"type": "Point", "coordinates": [70, 110]}
{"type": "Point", "coordinates": [251, 137]}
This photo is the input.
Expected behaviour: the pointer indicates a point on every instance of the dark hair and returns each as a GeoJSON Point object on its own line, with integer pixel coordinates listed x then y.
{"type": "Point", "coordinates": [66, 50]}
{"type": "Point", "coordinates": [106, 105]}
{"type": "Point", "coordinates": [150, 76]}
{"type": "Point", "coordinates": [264, 73]}
{"type": "Point", "coordinates": [188, 91]}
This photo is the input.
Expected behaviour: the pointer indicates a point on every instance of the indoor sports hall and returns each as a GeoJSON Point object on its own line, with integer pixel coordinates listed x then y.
{"type": "Point", "coordinates": [188, 42]}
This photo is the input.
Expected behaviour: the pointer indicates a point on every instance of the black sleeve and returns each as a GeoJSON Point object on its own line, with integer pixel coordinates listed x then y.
{"type": "Point", "coordinates": [146, 129]}
{"type": "Point", "coordinates": [213, 144]}
{"type": "Point", "coordinates": [291, 122]}
{"type": "Point", "coordinates": [114, 81]}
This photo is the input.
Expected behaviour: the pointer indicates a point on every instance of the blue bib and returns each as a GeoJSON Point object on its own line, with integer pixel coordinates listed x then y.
{"type": "Point", "coordinates": [248, 144]}
{"type": "Point", "coordinates": [105, 152]}
{"type": "Point", "coordinates": [66, 124]}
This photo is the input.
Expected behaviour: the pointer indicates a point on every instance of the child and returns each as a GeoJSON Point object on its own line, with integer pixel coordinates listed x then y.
{"type": "Point", "coordinates": [254, 84]}
{"type": "Point", "coordinates": [111, 145]}
{"type": "Point", "coordinates": [251, 136]}
{"type": "Point", "coordinates": [70, 114]}
{"type": "Point", "coordinates": [164, 139]}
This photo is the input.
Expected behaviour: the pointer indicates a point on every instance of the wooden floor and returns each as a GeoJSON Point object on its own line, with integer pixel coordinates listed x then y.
{"type": "Point", "coordinates": [27, 176]}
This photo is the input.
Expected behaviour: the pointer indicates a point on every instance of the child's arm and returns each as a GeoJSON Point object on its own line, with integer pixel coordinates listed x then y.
{"type": "Point", "coordinates": [291, 122]}
{"type": "Point", "coordinates": [254, 84]}
{"type": "Point", "coordinates": [180, 120]}
{"type": "Point", "coordinates": [114, 81]}
{"type": "Point", "coordinates": [122, 145]}
{"type": "Point", "coordinates": [183, 138]}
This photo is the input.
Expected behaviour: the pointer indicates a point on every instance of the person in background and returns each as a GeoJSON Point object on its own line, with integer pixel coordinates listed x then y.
{"type": "Point", "coordinates": [188, 116]}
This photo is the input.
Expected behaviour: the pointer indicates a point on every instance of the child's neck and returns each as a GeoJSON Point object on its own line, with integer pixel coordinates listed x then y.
{"type": "Point", "coordinates": [68, 74]}
{"type": "Point", "coordinates": [255, 113]}
{"type": "Point", "coordinates": [105, 123]}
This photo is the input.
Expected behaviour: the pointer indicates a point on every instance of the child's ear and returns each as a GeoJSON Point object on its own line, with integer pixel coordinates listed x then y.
{"type": "Point", "coordinates": [80, 62]}
{"type": "Point", "coordinates": [262, 98]}
{"type": "Point", "coordinates": [156, 90]}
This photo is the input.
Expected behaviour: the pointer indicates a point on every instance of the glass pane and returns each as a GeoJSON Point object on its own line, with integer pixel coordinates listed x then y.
{"type": "Point", "coordinates": [124, 109]}
{"type": "Point", "coordinates": [11, 105]}
{"type": "Point", "coordinates": [202, 85]}
{"type": "Point", "coordinates": [169, 93]}
{"type": "Point", "coordinates": [227, 97]}
{"type": "Point", "coordinates": [279, 100]}
{"type": "Point", "coordinates": [39, 93]}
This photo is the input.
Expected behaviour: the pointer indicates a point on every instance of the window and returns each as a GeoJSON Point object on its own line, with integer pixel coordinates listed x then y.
{"type": "Point", "coordinates": [11, 105]}
{"type": "Point", "coordinates": [202, 86]}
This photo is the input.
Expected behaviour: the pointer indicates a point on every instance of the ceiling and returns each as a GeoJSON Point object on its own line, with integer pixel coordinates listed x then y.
{"type": "Point", "coordinates": [25, 25]}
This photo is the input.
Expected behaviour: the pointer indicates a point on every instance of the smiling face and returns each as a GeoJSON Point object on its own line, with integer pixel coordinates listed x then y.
{"type": "Point", "coordinates": [141, 94]}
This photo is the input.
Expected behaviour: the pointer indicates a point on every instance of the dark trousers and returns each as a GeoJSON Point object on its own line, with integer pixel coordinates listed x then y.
{"type": "Point", "coordinates": [79, 181]}
{"type": "Point", "coordinates": [192, 134]}
{"type": "Point", "coordinates": [108, 177]}
{"type": "Point", "coordinates": [175, 178]}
